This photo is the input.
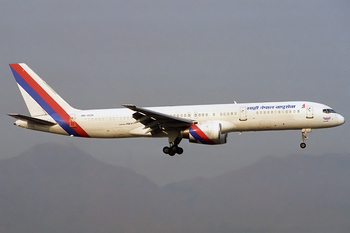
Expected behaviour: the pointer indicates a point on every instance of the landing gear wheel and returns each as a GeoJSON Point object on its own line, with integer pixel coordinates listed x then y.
{"type": "Point", "coordinates": [179, 150]}
{"type": "Point", "coordinates": [166, 150]}
{"type": "Point", "coordinates": [174, 148]}
{"type": "Point", "coordinates": [303, 145]}
{"type": "Point", "coordinates": [172, 153]}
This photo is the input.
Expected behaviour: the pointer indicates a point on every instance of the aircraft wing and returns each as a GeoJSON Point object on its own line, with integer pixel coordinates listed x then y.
{"type": "Point", "coordinates": [32, 119]}
{"type": "Point", "coordinates": [156, 121]}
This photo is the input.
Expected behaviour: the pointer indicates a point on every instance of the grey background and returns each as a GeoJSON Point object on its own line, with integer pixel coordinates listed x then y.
{"type": "Point", "coordinates": [156, 53]}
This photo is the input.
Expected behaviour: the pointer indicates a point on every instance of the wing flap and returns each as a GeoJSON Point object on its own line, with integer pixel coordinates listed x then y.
{"type": "Point", "coordinates": [151, 124]}
{"type": "Point", "coordinates": [32, 119]}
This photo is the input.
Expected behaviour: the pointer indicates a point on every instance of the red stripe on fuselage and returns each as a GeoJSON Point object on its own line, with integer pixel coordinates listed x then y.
{"type": "Point", "coordinates": [55, 106]}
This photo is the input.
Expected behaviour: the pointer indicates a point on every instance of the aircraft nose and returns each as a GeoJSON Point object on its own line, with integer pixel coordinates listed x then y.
{"type": "Point", "coordinates": [341, 119]}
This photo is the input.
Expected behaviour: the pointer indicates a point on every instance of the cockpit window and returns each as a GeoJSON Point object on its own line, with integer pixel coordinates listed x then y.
{"type": "Point", "coordinates": [328, 111]}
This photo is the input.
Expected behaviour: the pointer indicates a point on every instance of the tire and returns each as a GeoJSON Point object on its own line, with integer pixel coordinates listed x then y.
{"type": "Point", "coordinates": [174, 148]}
{"type": "Point", "coordinates": [179, 150]}
{"type": "Point", "coordinates": [166, 150]}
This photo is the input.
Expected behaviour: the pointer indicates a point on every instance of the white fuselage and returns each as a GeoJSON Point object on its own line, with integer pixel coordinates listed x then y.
{"type": "Point", "coordinates": [119, 123]}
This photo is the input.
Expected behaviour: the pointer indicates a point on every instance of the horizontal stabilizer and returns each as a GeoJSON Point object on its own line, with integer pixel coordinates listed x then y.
{"type": "Point", "coordinates": [32, 119]}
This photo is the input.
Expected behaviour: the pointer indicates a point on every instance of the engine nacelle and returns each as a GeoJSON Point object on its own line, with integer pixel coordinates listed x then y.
{"type": "Point", "coordinates": [206, 133]}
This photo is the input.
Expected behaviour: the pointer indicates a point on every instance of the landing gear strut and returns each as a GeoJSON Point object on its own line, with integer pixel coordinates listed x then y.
{"type": "Point", "coordinates": [304, 137]}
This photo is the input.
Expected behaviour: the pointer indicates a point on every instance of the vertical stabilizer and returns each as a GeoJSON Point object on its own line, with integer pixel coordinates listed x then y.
{"type": "Point", "coordinates": [37, 94]}
{"type": "Point", "coordinates": [34, 108]}
{"type": "Point", "coordinates": [42, 100]}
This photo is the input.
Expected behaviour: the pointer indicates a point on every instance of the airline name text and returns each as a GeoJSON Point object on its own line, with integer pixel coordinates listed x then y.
{"type": "Point", "coordinates": [268, 107]}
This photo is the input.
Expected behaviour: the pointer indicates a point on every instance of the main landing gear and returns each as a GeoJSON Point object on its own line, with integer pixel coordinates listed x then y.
{"type": "Point", "coordinates": [304, 137]}
{"type": "Point", "coordinates": [173, 148]}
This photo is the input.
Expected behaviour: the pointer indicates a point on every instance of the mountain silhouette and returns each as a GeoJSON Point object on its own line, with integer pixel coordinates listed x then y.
{"type": "Point", "coordinates": [59, 188]}
{"type": "Point", "coordinates": [56, 188]}
{"type": "Point", "coordinates": [296, 193]}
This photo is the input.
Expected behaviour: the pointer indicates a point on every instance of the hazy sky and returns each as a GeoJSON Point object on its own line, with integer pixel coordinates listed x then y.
{"type": "Point", "coordinates": [101, 54]}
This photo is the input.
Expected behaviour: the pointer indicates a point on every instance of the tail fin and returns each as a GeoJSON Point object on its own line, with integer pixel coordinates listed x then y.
{"type": "Point", "coordinates": [42, 100]}
{"type": "Point", "coordinates": [39, 97]}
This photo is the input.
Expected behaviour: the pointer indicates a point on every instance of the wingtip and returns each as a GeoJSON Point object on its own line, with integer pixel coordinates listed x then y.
{"type": "Point", "coordinates": [130, 106]}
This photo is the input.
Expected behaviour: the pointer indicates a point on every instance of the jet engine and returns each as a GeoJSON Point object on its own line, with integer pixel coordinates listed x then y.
{"type": "Point", "coordinates": [205, 133]}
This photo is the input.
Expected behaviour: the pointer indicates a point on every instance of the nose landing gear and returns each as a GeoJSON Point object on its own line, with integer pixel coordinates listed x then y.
{"type": "Point", "coordinates": [304, 137]}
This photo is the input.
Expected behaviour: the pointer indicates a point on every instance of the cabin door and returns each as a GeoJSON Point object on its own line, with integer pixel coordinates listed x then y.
{"type": "Point", "coordinates": [309, 112]}
{"type": "Point", "coordinates": [243, 114]}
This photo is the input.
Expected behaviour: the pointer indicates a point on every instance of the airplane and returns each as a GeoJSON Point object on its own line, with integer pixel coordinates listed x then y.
{"type": "Point", "coordinates": [202, 124]}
